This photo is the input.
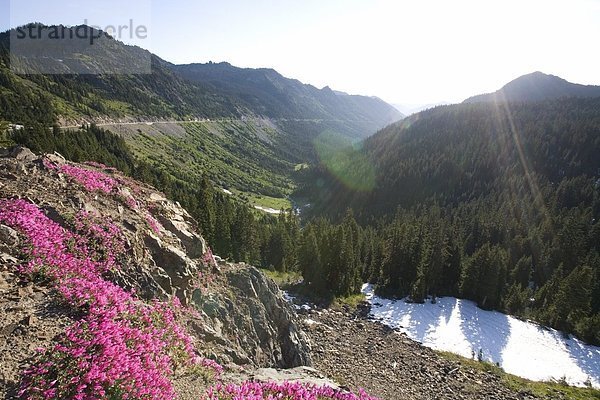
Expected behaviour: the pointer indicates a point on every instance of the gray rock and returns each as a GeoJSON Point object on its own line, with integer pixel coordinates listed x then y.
{"type": "Point", "coordinates": [56, 158]}
{"type": "Point", "coordinates": [174, 264]}
{"type": "Point", "coordinates": [304, 375]}
{"type": "Point", "coordinates": [177, 221]}
{"type": "Point", "coordinates": [269, 319]}
{"type": "Point", "coordinates": [22, 154]}
{"type": "Point", "coordinates": [8, 236]}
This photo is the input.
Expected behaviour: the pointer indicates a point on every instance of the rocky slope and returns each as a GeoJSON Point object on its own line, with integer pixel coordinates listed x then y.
{"type": "Point", "coordinates": [240, 317]}
{"type": "Point", "coordinates": [391, 366]}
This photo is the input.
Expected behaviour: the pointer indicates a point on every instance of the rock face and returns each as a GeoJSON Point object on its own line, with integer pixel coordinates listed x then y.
{"type": "Point", "coordinates": [252, 321]}
{"type": "Point", "coordinates": [237, 313]}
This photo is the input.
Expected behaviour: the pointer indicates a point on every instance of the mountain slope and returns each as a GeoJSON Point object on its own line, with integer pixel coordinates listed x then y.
{"type": "Point", "coordinates": [459, 152]}
{"type": "Point", "coordinates": [496, 203]}
{"type": "Point", "coordinates": [267, 93]}
{"type": "Point", "coordinates": [537, 86]}
{"type": "Point", "coordinates": [75, 95]}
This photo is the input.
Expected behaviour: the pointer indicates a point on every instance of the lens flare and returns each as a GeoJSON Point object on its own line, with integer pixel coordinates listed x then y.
{"type": "Point", "coordinates": [345, 161]}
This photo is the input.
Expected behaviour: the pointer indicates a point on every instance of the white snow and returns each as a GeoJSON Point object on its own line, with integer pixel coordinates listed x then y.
{"type": "Point", "coordinates": [229, 192]}
{"type": "Point", "coordinates": [521, 348]}
{"type": "Point", "coordinates": [294, 302]}
{"type": "Point", "coordinates": [268, 210]}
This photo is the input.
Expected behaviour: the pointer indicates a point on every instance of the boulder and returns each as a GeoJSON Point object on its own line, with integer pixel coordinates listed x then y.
{"type": "Point", "coordinates": [176, 220]}
{"type": "Point", "coordinates": [304, 375]}
{"type": "Point", "coordinates": [56, 158]}
{"type": "Point", "coordinates": [258, 317]}
{"type": "Point", "coordinates": [22, 154]}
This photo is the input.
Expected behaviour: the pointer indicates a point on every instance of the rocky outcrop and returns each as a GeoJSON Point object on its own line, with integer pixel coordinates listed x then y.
{"type": "Point", "coordinates": [250, 320]}
{"type": "Point", "coordinates": [237, 313]}
{"type": "Point", "coordinates": [270, 317]}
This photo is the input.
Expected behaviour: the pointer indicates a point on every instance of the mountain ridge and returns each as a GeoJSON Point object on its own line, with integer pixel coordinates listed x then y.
{"type": "Point", "coordinates": [270, 94]}
{"type": "Point", "coordinates": [536, 86]}
{"type": "Point", "coordinates": [165, 93]}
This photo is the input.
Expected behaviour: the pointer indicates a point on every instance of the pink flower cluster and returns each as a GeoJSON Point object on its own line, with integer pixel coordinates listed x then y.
{"type": "Point", "coordinates": [285, 391]}
{"type": "Point", "coordinates": [131, 202]}
{"type": "Point", "coordinates": [122, 347]}
{"type": "Point", "coordinates": [212, 365]}
{"type": "Point", "coordinates": [208, 258]}
{"type": "Point", "coordinates": [153, 223]}
{"type": "Point", "coordinates": [101, 240]}
{"type": "Point", "coordinates": [92, 180]}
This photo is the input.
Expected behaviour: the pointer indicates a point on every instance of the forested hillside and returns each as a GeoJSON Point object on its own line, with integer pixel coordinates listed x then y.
{"type": "Point", "coordinates": [268, 93]}
{"type": "Point", "coordinates": [75, 96]}
{"type": "Point", "coordinates": [495, 203]}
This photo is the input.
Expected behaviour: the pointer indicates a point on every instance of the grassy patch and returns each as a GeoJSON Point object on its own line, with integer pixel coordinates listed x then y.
{"type": "Point", "coordinates": [283, 279]}
{"type": "Point", "coordinates": [236, 155]}
{"type": "Point", "coordinates": [351, 301]}
{"type": "Point", "coordinates": [276, 203]}
{"type": "Point", "coordinates": [545, 390]}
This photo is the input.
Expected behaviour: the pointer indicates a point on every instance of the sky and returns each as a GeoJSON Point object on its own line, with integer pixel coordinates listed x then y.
{"type": "Point", "coordinates": [405, 52]}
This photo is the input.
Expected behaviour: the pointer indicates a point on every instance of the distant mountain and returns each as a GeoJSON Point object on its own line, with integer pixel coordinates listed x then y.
{"type": "Point", "coordinates": [537, 86]}
{"type": "Point", "coordinates": [267, 93]}
{"type": "Point", "coordinates": [72, 92]}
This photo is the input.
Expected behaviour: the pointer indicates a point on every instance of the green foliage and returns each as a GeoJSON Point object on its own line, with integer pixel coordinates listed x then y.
{"type": "Point", "coordinates": [241, 156]}
{"type": "Point", "coordinates": [495, 203]}
{"type": "Point", "coordinates": [330, 257]}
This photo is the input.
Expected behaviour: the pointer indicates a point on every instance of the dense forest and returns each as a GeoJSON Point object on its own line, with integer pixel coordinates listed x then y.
{"type": "Point", "coordinates": [494, 203]}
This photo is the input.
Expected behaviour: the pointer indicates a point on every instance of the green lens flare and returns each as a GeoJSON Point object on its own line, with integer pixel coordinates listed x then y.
{"type": "Point", "coordinates": [345, 161]}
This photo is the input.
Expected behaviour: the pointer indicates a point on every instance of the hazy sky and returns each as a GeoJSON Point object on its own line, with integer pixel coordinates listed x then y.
{"type": "Point", "coordinates": [412, 52]}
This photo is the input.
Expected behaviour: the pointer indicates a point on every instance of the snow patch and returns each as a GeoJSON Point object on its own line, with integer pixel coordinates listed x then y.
{"type": "Point", "coordinates": [521, 348]}
{"type": "Point", "coordinates": [268, 210]}
{"type": "Point", "coordinates": [229, 192]}
{"type": "Point", "coordinates": [294, 302]}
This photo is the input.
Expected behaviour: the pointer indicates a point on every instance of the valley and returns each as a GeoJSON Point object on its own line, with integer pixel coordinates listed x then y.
{"type": "Point", "coordinates": [450, 254]}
